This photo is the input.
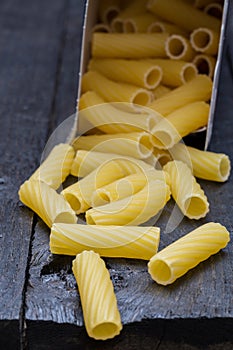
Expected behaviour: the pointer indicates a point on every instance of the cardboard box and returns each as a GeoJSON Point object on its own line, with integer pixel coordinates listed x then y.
{"type": "Point", "coordinates": [202, 137]}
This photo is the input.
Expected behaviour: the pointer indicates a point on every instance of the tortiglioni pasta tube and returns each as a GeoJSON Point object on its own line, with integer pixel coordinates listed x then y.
{"type": "Point", "coordinates": [46, 202]}
{"type": "Point", "coordinates": [135, 242]}
{"type": "Point", "coordinates": [187, 252]}
{"type": "Point", "coordinates": [99, 304]}
{"type": "Point", "coordinates": [185, 190]}
{"type": "Point", "coordinates": [198, 89]}
{"type": "Point", "coordinates": [56, 167]}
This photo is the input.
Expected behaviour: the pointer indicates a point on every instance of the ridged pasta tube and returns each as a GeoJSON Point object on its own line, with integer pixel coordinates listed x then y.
{"type": "Point", "coordinates": [46, 202]}
{"type": "Point", "coordinates": [205, 64]}
{"type": "Point", "coordinates": [113, 91]}
{"type": "Point", "coordinates": [198, 89]}
{"type": "Point", "coordinates": [180, 123]}
{"type": "Point", "coordinates": [187, 252]}
{"type": "Point", "coordinates": [179, 48]}
{"type": "Point", "coordinates": [87, 161]}
{"type": "Point", "coordinates": [119, 189]}
{"type": "Point", "coordinates": [135, 242]}
{"type": "Point", "coordinates": [136, 72]}
{"type": "Point", "coordinates": [56, 167]}
{"type": "Point", "coordinates": [139, 23]}
{"type": "Point", "coordinates": [214, 9]}
{"type": "Point", "coordinates": [130, 45]}
{"type": "Point", "coordinates": [165, 27]}
{"type": "Point", "coordinates": [108, 10]}
{"type": "Point", "coordinates": [204, 164]}
{"type": "Point", "coordinates": [176, 72]}
{"type": "Point", "coordinates": [134, 144]}
{"type": "Point", "coordinates": [185, 15]}
{"type": "Point", "coordinates": [101, 316]}
{"type": "Point", "coordinates": [205, 40]}
{"type": "Point", "coordinates": [185, 190]}
{"type": "Point", "coordinates": [160, 91]}
{"type": "Point", "coordinates": [133, 210]}
{"type": "Point", "coordinates": [80, 193]}
{"type": "Point", "coordinates": [111, 119]}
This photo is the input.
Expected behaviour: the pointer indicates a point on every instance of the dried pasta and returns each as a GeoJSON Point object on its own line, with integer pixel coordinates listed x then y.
{"type": "Point", "coordinates": [87, 161]}
{"type": "Point", "coordinates": [204, 164]}
{"type": "Point", "coordinates": [135, 242]}
{"type": "Point", "coordinates": [134, 144]}
{"type": "Point", "coordinates": [179, 48]}
{"type": "Point", "coordinates": [205, 64]}
{"type": "Point", "coordinates": [185, 190]}
{"type": "Point", "coordinates": [180, 123]}
{"type": "Point", "coordinates": [56, 167]}
{"type": "Point", "coordinates": [129, 45]}
{"type": "Point", "coordinates": [205, 40]}
{"type": "Point", "coordinates": [198, 89]}
{"type": "Point", "coordinates": [136, 72]}
{"type": "Point", "coordinates": [133, 210]}
{"type": "Point", "coordinates": [139, 23]}
{"type": "Point", "coordinates": [176, 72]}
{"type": "Point", "coordinates": [46, 202]}
{"type": "Point", "coordinates": [115, 91]}
{"type": "Point", "coordinates": [101, 316]}
{"type": "Point", "coordinates": [108, 10]}
{"type": "Point", "coordinates": [110, 119]}
{"type": "Point", "coordinates": [187, 252]}
{"type": "Point", "coordinates": [165, 27]}
{"type": "Point", "coordinates": [185, 15]}
{"type": "Point", "coordinates": [79, 194]}
{"type": "Point", "coordinates": [119, 189]}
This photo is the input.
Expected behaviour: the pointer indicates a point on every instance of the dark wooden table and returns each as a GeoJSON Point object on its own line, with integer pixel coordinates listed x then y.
{"type": "Point", "coordinates": [40, 307]}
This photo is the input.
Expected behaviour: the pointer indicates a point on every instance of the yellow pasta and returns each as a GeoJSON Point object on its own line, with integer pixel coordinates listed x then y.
{"type": "Point", "coordinates": [119, 189]}
{"type": "Point", "coordinates": [108, 10]}
{"type": "Point", "coordinates": [198, 89]}
{"type": "Point", "coordinates": [79, 194]}
{"type": "Point", "coordinates": [205, 165]}
{"type": "Point", "coordinates": [134, 144]}
{"type": "Point", "coordinates": [133, 210]}
{"type": "Point", "coordinates": [160, 90]}
{"type": "Point", "coordinates": [115, 91]}
{"type": "Point", "coordinates": [214, 9]}
{"type": "Point", "coordinates": [101, 28]}
{"type": "Point", "coordinates": [139, 23]}
{"type": "Point", "coordinates": [179, 48]}
{"type": "Point", "coordinates": [131, 9]}
{"type": "Point", "coordinates": [135, 242]}
{"type": "Point", "coordinates": [110, 119]}
{"type": "Point", "coordinates": [186, 191]}
{"type": "Point", "coordinates": [46, 202]}
{"type": "Point", "coordinates": [180, 123]}
{"type": "Point", "coordinates": [130, 45]}
{"type": "Point", "coordinates": [176, 72]}
{"type": "Point", "coordinates": [205, 40]}
{"type": "Point", "coordinates": [136, 72]}
{"type": "Point", "coordinates": [185, 15]}
{"type": "Point", "coordinates": [101, 316]}
{"type": "Point", "coordinates": [56, 167]}
{"type": "Point", "coordinates": [87, 161]}
{"type": "Point", "coordinates": [205, 64]}
{"type": "Point", "coordinates": [187, 252]}
{"type": "Point", "coordinates": [165, 27]}
{"type": "Point", "coordinates": [162, 156]}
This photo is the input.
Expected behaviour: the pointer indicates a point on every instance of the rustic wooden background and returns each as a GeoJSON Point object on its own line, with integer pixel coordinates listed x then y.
{"type": "Point", "coordinates": [39, 306]}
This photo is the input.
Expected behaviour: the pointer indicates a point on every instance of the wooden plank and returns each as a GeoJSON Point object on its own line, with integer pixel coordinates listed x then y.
{"type": "Point", "coordinates": [29, 40]}
{"type": "Point", "coordinates": [197, 305]}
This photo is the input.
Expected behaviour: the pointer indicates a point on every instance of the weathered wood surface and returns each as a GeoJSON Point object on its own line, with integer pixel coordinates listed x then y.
{"type": "Point", "coordinates": [41, 41]}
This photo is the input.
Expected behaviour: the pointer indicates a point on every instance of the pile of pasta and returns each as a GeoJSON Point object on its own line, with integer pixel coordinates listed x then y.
{"type": "Point", "coordinates": [129, 160]}
{"type": "Point", "coordinates": [141, 50]}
